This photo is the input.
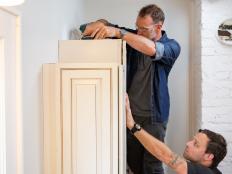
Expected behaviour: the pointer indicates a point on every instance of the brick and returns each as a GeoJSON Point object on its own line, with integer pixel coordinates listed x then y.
{"type": "Point", "coordinates": [212, 69]}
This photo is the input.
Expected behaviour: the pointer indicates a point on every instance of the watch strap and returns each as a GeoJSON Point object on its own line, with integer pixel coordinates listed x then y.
{"type": "Point", "coordinates": [123, 32]}
{"type": "Point", "coordinates": [135, 128]}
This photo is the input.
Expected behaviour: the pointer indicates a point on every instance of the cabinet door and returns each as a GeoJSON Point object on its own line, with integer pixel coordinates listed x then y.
{"type": "Point", "coordinates": [88, 125]}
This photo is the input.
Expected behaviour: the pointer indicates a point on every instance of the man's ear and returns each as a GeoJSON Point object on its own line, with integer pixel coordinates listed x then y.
{"type": "Point", "coordinates": [159, 26]}
{"type": "Point", "coordinates": [208, 156]}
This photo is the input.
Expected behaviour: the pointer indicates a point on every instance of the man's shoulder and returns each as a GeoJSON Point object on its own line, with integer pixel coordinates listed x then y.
{"type": "Point", "coordinates": [216, 171]}
{"type": "Point", "coordinates": [194, 168]}
{"type": "Point", "coordinates": [165, 39]}
{"type": "Point", "coordinates": [171, 46]}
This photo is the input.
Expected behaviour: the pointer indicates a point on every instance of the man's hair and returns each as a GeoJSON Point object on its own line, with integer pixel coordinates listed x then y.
{"type": "Point", "coordinates": [154, 11]}
{"type": "Point", "coordinates": [217, 146]}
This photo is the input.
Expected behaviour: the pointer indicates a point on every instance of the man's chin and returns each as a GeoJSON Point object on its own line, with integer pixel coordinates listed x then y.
{"type": "Point", "coordinates": [185, 155]}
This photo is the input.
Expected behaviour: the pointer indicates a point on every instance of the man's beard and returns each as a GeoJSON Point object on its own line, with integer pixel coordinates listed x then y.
{"type": "Point", "coordinates": [186, 156]}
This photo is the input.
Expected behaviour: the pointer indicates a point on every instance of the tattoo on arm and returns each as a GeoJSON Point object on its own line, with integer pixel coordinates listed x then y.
{"type": "Point", "coordinates": [176, 161]}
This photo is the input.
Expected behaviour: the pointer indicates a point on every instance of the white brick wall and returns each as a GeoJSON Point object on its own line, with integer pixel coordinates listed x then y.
{"type": "Point", "coordinates": [214, 61]}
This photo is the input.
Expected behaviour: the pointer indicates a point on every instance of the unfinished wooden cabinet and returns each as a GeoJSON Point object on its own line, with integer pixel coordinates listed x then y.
{"type": "Point", "coordinates": [84, 121]}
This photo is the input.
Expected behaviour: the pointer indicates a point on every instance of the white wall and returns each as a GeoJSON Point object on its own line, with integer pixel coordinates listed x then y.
{"type": "Point", "coordinates": [8, 94]}
{"type": "Point", "coordinates": [216, 75]}
{"type": "Point", "coordinates": [124, 12]}
{"type": "Point", "coordinates": [211, 72]}
{"type": "Point", "coordinates": [44, 22]}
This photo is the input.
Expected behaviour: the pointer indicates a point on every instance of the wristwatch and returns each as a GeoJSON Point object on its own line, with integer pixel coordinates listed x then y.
{"type": "Point", "coordinates": [136, 128]}
{"type": "Point", "coordinates": [123, 33]}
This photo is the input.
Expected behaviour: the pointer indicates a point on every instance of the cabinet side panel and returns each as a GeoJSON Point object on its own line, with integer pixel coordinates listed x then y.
{"type": "Point", "coordinates": [114, 119]}
{"type": "Point", "coordinates": [52, 136]}
{"type": "Point", "coordinates": [122, 120]}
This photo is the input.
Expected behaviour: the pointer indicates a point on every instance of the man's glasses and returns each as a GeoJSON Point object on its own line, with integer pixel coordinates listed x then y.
{"type": "Point", "coordinates": [146, 29]}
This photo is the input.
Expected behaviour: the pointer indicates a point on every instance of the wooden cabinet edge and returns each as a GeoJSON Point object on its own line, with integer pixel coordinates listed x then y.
{"type": "Point", "coordinates": [51, 116]}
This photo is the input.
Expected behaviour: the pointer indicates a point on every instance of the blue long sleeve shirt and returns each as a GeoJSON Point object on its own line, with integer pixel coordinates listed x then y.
{"type": "Point", "coordinates": [167, 51]}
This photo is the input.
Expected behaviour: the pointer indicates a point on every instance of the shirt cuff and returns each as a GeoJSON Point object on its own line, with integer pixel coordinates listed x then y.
{"type": "Point", "coordinates": [83, 27]}
{"type": "Point", "coordinates": [159, 50]}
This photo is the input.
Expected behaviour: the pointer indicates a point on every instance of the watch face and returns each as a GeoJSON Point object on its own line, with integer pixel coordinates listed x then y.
{"type": "Point", "coordinates": [138, 126]}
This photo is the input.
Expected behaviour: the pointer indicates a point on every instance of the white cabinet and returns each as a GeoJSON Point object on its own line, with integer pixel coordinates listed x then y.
{"type": "Point", "coordinates": [84, 122]}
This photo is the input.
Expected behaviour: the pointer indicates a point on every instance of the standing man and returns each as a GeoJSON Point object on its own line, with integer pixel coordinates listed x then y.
{"type": "Point", "coordinates": [150, 57]}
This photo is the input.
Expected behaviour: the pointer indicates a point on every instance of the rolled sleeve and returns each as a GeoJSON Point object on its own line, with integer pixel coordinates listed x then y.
{"type": "Point", "coordinates": [159, 50]}
{"type": "Point", "coordinates": [167, 53]}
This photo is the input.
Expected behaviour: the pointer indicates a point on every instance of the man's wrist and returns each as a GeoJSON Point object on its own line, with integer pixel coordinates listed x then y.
{"type": "Point", "coordinates": [122, 33]}
{"type": "Point", "coordinates": [135, 128]}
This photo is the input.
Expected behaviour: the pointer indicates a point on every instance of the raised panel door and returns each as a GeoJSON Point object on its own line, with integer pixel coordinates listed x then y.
{"type": "Point", "coordinates": [87, 124]}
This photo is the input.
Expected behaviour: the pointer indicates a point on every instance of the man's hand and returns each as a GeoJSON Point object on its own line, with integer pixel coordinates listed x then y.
{"type": "Point", "coordinates": [105, 31]}
{"type": "Point", "coordinates": [129, 119]}
{"type": "Point", "coordinates": [99, 30]}
{"type": "Point", "coordinates": [92, 27]}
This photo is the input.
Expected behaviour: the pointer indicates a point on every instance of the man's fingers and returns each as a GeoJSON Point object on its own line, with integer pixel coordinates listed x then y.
{"type": "Point", "coordinates": [95, 32]}
{"type": "Point", "coordinates": [101, 34]}
{"type": "Point", "coordinates": [127, 102]}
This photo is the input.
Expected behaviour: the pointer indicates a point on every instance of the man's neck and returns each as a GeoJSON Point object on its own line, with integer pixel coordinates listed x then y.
{"type": "Point", "coordinates": [203, 163]}
{"type": "Point", "coordinates": [206, 163]}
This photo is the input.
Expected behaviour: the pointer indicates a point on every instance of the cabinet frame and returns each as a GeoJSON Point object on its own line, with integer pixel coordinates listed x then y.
{"type": "Point", "coordinates": [53, 119]}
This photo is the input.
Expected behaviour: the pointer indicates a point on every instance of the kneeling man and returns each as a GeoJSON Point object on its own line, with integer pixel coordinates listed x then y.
{"type": "Point", "coordinates": [201, 156]}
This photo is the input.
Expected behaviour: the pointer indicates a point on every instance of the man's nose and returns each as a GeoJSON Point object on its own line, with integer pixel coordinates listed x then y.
{"type": "Point", "coordinates": [188, 143]}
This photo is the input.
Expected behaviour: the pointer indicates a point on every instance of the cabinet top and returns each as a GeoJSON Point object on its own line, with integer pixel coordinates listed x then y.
{"type": "Point", "coordinates": [92, 51]}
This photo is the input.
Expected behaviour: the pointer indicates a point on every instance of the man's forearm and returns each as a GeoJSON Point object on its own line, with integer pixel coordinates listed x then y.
{"type": "Point", "coordinates": [137, 42]}
{"type": "Point", "coordinates": [156, 147]}
{"type": "Point", "coordinates": [162, 152]}
{"type": "Point", "coordinates": [140, 43]}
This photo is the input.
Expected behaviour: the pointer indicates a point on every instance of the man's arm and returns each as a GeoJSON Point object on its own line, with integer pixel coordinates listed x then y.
{"type": "Point", "coordinates": [156, 147]}
{"type": "Point", "coordinates": [137, 42]}
{"type": "Point", "coordinates": [140, 43]}
{"type": "Point", "coordinates": [162, 152]}
{"type": "Point", "coordinates": [100, 30]}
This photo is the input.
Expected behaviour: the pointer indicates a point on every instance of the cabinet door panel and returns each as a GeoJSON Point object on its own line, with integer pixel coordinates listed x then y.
{"type": "Point", "coordinates": [86, 110]}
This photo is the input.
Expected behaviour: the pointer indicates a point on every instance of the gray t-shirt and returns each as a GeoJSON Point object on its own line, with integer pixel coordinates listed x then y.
{"type": "Point", "coordinates": [194, 168]}
{"type": "Point", "coordinates": [140, 89]}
